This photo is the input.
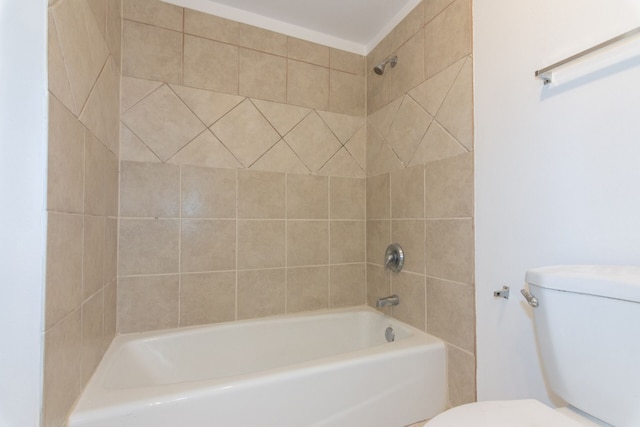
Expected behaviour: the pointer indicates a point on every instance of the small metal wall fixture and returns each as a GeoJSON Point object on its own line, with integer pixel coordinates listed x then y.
{"type": "Point", "coordinates": [394, 258]}
{"type": "Point", "coordinates": [502, 293]}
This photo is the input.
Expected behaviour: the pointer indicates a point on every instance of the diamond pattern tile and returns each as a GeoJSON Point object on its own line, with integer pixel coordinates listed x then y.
{"type": "Point", "coordinates": [313, 142]}
{"type": "Point", "coordinates": [246, 133]}
{"type": "Point", "coordinates": [408, 128]}
{"type": "Point", "coordinates": [163, 122]}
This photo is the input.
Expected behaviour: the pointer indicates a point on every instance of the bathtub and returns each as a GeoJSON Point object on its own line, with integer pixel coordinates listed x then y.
{"type": "Point", "coordinates": [325, 368]}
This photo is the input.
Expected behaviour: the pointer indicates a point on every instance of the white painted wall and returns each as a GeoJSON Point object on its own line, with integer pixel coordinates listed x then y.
{"type": "Point", "coordinates": [23, 141]}
{"type": "Point", "coordinates": [557, 170]}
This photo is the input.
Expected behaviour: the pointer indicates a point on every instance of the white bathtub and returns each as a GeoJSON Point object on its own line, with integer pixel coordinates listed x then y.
{"type": "Point", "coordinates": [326, 368]}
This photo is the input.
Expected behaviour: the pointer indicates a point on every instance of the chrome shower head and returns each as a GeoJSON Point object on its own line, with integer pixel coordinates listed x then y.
{"type": "Point", "coordinates": [379, 69]}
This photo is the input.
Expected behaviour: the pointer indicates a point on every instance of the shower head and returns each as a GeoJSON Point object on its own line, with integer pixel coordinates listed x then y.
{"type": "Point", "coordinates": [379, 69]}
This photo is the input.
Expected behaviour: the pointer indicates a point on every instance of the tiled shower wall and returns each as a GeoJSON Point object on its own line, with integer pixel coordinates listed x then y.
{"type": "Point", "coordinates": [243, 168]}
{"type": "Point", "coordinates": [82, 199]}
{"type": "Point", "coordinates": [257, 138]}
{"type": "Point", "coordinates": [420, 179]}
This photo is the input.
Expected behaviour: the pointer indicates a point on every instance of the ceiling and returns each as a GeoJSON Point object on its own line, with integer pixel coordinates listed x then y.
{"type": "Point", "coordinates": [353, 25]}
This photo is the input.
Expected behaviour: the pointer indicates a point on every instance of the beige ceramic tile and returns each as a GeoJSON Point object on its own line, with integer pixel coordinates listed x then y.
{"type": "Point", "coordinates": [147, 302]}
{"type": "Point", "coordinates": [432, 91]}
{"type": "Point", "coordinates": [114, 30]}
{"type": "Point", "coordinates": [83, 47]}
{"type": "Point", "coordinates": [148, 246]}
{"type": "Point", "coordinates": [307, 85]}
{"type": "Point", "coordinates": [407, 28]}
{"type": "Point", "coordinates": [437, 144]}
{"type": "Point", "coordinates": [411, 290]}
{"type": "Point", "coordinates": [134, 90]}
{"type": "Point", "coordinates": [99, 115]}
{"type": "Point", "coordinates": [378, 237]}
{"type": "Point", "coordinates": [201, 56]}
{"type": "Point", "coordinates": [379, 197]}
{"type": "Point", "coordinates": [92, 335]}
{"type": "Point", "coordinates": [207, 245]}
{"type": "Point", "coordinates": [307, 197]}
{"type": "Point", "coordinates": [261, 293]}
{"type": "Point", "coordinates": [348, 241]}
{"type": "Point", "coordinates": [261, 244]}
{"type": "Point", "coordinates": [93, 255]}
{"type": "Point", "coordinates": [58, 81]}
{"type": "Point", "coordinates": [95, 158]}
{"type": "Point", "coordinates": [451, 313]}
{"type": "Point", "coordinates": [347, 285]}
{"type": "Point", "coordinates": [307, 288]}
{"type": "Point", "coordinates": [410, 235]}
{"type": "Point", "coordinates": [409, 72]}
{"type": "Point", "coordinates": [246, 133]}
{"type": "Point", "coordinates": [163, 122]}
{"type": "Point", "coordinates": [262, 75]}
{"type": "Point", "coordinates": [347, 198]}
{"type": "Point", "coordinates": [282, 117]}
{"type": "Point", "coordinates": [407, 193]}
{"type": "Point", "coordinates": [378, 94]}
{"type": "Point", "coordinates": [381, 120]}
{"type": "Point", "coordinates": [64, 266]}
{"type": "Point", "coordinates": [281, 158]}
{"type": "Point", "coordinates": [263, 40]}
{"type": "Point", "coordinates": [112, 182]}
{"type": "Point", "coordinates": [261, 195]}
{"type": "Point", "coordinates": [344, 126]}
{"type": "Point", "coordinates": [357, 147]}
{"type": "Point", "coordinates": [110, 262]}
{"type": "Point", "coordinates": [450, 249]}
{"type": "Point", "coordinates": [342, 164]}
{"type": "Point", "coordinates": [307, 243]}
{"type": "Point", "coordinates": [448, 37]}
{"type": "Point", "coordinates": [434, 7]}
{"type": "Point", "coordinates": [383, 160]}
{"type": "Point", "coordinates": [209, 106]}
{"type": "Point", "coordinates": [150, 190]}
{"type": "Point", "coordinates": [208, 192]}
{"type": "Point", "coordinates": [346, 93]}
{"type": "Point", "coordinates": [154, 12]}
{"type": "Point", "coordinates": [110, 313]}
{"type": "Point", "coordinates": [207, 298]}
{"type": "Point", "coordinates": [408, 129]}
{"type": "Point", "coordinates": [449, 187]}
{"type": "Point", "coordinates": [66, 160]}
{"type": "Point", "coordinates": [462, 376]}
{"type": "Point", "coordinates": [313, 142]}
{"type": "Point", "coordinates": [206, 150]}
{"type": "Point", "coordinates": [456, 112]}
{"type": "Point", "coordinates": [346, 61]}
{"type": "Point", "coordinates": [302, 50]}
{"type": "Point", "coordinates": [211, 27]}
{"type": "Point", "coordinates": [62, 377]}
{"type": "Point", "coordinates": [133, 149]}
{"type": "Point", "coordinates": [151, 53]}
{"type": "Point", "coordinates": [378, 285]}
{"type": "Point", "coordinates": [99, 11]}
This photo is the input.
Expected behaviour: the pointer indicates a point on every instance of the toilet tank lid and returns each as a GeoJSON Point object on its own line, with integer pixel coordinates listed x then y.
{"type": "Point", "coordinates": [610, 281]}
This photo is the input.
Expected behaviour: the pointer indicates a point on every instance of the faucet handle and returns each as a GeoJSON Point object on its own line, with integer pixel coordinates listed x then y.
{"type": "Point", "coordinates": [394, 258]}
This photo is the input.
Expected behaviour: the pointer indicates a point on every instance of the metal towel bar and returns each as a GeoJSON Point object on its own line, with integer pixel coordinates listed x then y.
{"type": "Point", "coordinates": [545, 73]}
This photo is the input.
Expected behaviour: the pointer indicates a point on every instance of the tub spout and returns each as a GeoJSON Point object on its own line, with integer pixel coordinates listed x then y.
{"type": "Point", "coordinates": [385, 301]}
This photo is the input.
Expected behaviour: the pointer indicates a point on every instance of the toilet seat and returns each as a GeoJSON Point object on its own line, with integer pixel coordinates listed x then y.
{"type": "Point", "coordinates": [506, 413]}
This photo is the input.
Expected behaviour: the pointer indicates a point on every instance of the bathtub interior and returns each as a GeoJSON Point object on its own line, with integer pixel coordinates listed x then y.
{"type": "Point", "coordinates": [239, 348]}
{"type": "Point", "coordinates": [331, 368]}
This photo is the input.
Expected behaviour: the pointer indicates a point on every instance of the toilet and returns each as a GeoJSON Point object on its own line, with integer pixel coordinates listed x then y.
{"type": "Point", "coordinates": [587, 325]}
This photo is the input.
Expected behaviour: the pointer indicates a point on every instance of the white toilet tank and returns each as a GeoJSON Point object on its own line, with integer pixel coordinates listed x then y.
{"type": "Point", "coordinates": [588, 331]}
